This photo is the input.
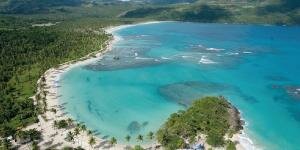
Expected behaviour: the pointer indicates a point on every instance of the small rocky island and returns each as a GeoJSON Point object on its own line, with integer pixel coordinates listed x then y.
{"type": "Point", "coordinates": [208, 123]}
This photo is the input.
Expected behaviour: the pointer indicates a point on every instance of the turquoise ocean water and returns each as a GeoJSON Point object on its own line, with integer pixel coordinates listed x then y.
{"type": "Point", "coordinates": [158, 69]}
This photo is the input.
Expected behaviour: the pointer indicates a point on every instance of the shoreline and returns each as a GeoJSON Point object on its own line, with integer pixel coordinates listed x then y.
{"type": "Point", "coordinates": [243, 140]}
{"type": "Point", "coordinates": [57, 136]}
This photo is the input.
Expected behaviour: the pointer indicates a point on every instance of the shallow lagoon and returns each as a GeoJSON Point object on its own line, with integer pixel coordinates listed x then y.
{"type": "Point", "coordinates": [158, 69]}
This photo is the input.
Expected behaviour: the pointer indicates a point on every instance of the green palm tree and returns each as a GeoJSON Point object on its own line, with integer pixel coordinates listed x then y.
{"type": "Point", "coordinates": [150, 135]}
{"type": "Point", "coordinates": [113, 141]}
{"type": "Point", "coordinates": [128, 138]}
{"type": "Point", "coordinates": [90, 132]}
{"type": "Point", "coordinates": [92, 141]}
{"type": "Point", "coordinates": [5, 144]}
{"type": "Point", "coordinates": [140, 138]}
{"type": "Point", "coordinates": [78, 125]}
{"type": "Point", "coordinates": [70, 121]}
{"type": "Point", "coordinates": [70, 137]}
{"type": "Point", "coordinates": [76, 131]}
{"type": "Point", "coordinates": [138, 147]}
{"type": "Point", "coordinates": [55, 124]}
{"type": "Point", "coordinates": [83, 127]}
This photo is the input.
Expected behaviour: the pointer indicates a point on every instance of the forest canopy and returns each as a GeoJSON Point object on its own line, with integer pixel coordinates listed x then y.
{"type": "Point", "coordinates": [25, 55]}
{"type": "Point", "coordinates": [213, 117]}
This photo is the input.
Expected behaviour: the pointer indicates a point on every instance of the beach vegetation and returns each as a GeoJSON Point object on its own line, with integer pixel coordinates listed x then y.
{"type": "Point", "coordinates": [127, 138]}
{"type": "Point", "coordinates": [150, 135]}
{"type": "Point", "coordinates": [28, 136]}
{"type": "Point", "coordinates": [71, 148]}
{"type": "Point", "coordinates": [83, 127]}
{"type": "Point", "coordinates": [209, 116]}
{"type": "Point", "coordinates": [92, 141]}
{"type": "Point", "coordinates": [230, 145]}
{"type": "Point", "coordinates": [5, 144]}
{"type": "Point", "coordinates": [68, 148]}
{"type": "Point", "coordinates": [76, 131]}
{"type": "Point", "coordinates": [89, 132]}
{"type": "Point", "coordinates": [113, 141]}
{"type": "Point", "coordinates": [53, 110]}
{"type": "Point", "coordinates": [70, 122]}
{"type": "Point", "coordinates": [34, 146]}
{"type": "Point", "coordinates": [27, 52]}
{"type": "Point", "coordinates": [70, 137]}
{"type": "Point", "coordinates": [61, 124]}
{"type": "Point", "coordinates": [138, 147]}
{"type": "Point", "coordinates": [140, 138]}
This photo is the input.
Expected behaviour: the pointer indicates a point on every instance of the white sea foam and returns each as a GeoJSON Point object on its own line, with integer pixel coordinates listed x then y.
{"type": "Point", "coordinates": [165, 58]}
{"type": "Point", "coordinates": [205, 60]}
{"type": "Point", "coordinates": [231, 53]}
{"type": "Point", "coordinates": [215, 49]}
{"type": "Point", "coordinates": [247, 52]}
{"type": "Point", "coordinates": [186, 56]}
{"type": "Point", "coordinates": [143, 35]}
{"type": "Point", "coordinates": [142, 58]}
{"type": "Point", "coordinates": [136, 54]}
{"type": "Point", "coordinates": [298, 90]}
{"type": "Point", "coordinates": [199, 45]}
{"type": "Point", "coordinates": [245, 142]}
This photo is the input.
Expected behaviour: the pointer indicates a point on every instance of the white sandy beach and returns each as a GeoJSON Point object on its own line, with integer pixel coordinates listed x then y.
{"type": "Point", "coordinates": [56, 137]}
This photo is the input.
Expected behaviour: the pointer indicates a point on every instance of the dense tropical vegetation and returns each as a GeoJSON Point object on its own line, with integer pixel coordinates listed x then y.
{"type": "Point", "coordinates": [30, 135]}
{"type": "Point", "coordinates": [26, 53]}
{"type": "Point", "coordinates": [37, 35]}
{"type": "Point", "coordinates": [213, 117]}
{"type": "Point", "coordinates": [246, 11]}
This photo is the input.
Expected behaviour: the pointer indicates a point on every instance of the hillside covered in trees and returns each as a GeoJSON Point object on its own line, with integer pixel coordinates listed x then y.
{"type": "Point", "coordinates": [26, 53]}
{"type": "Point", "coordinates": [208, 119]}
{"type": "Point", "coordinates": [237, 11]}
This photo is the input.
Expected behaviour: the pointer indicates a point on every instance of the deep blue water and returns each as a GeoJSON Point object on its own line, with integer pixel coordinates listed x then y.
{"type": "Point", "coordinates": [158, 69]}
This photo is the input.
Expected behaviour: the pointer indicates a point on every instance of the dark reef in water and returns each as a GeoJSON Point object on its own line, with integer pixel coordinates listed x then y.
{"type": "Point", "coordinates": [289, 91]}
{"type": "Point", "coordinates": [289, 96]}
{"type": "Point", "coordinates": [293, 91]}
{"type": "Point", "coordinates": [123, 63]}
{"type": "Point", "coordinates": [185, 92]}
{"type": "Point", "coordinates": [94, 110]}
{"type": "Point", "coordinates": [135, 127]}
{"type": "Point", "coordinates": [129, 56]}
{"type": "Point", "coordinates": [248, 98]}
{"type": "Point", "coordinates": [295, 113]}
{"type": "Point", "coordinates": [276, 78]}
